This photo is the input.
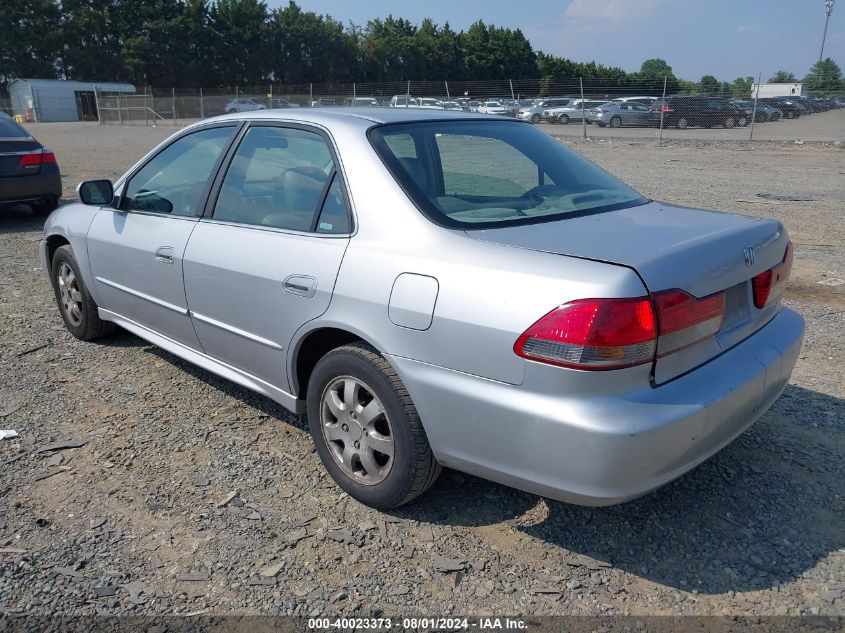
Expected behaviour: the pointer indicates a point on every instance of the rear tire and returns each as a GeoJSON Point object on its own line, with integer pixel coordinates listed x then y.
{"type": "Point", "coordinates": [78, 310]}
{"type": "Point", "coordinates": [378, 453]}
{"type": "Point", "coordinates": [616, 121]}
{"type": "Point", "coordinates": [563, 119]}
{"type": "Point", "coordinates": [535, 119]}
{"type": "Point", "coordinates": [682, 123]}
{"type": "Point", "coordinates": [729, 123]}
{"type": "Point", "coordinates": [45, 207]}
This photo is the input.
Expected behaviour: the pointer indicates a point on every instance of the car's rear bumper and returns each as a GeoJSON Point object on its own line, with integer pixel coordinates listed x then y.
{"type": "Point", "coordinates": [601, 449]}
{"type": "Point", "coordinates": [22, 189]}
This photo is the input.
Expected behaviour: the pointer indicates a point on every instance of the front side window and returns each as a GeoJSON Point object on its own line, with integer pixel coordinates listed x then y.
{"type": "Point", "coordinates": [276, 179]}
{"type": "Point", "coordinates": [174, 181]}
{"type": "Point", "coordinates": [493, 173]}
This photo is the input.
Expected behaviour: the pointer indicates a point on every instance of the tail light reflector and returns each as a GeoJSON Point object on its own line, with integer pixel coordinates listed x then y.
{"type": "Point", "coordinates": [769, 285]}
{"type": "Point", "coordinates": [684, 320]}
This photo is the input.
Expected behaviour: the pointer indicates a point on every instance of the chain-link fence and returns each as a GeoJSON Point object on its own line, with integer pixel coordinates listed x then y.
{"type": "Point", "coordinates": [663, 108]}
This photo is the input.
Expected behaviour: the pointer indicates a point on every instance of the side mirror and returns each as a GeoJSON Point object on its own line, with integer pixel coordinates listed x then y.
{"type": "Point", "coordinates": [96, 192]}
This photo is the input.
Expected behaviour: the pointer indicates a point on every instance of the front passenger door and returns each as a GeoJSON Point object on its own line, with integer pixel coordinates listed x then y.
{"type": "Point", "coordinates": [136, 249]}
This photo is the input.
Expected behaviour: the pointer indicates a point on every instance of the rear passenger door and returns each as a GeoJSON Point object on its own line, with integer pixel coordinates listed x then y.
{"type": "Point", "coordinates": [264, 258]}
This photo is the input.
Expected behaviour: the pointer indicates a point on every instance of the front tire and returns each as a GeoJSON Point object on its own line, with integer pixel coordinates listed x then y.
{"type": "Point", "coordinates": [78, 310]}
{"type": "Point", "coordinates": [563, 119]}
{"type": "Point", "coordinates": [535, 119]}
{"type": "Point", "coordinates": [366, 428]}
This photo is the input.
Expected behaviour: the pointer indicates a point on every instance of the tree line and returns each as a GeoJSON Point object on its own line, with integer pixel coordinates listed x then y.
{"type": "Point", "coordinates": [216, 43]}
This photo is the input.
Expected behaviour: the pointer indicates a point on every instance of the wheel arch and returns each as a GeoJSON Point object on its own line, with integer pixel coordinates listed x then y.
{"type": "Point", "coordinates": [54, 242]}
{"type": "Point", "coordinates": [312, 345]}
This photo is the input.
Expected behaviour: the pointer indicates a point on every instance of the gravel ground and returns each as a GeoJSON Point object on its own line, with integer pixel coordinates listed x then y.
{"type": "Point", "coordinates": [189, 494]}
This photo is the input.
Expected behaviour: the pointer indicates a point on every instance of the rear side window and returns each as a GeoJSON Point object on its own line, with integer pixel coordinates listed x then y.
{"type": "Point", "coordinates": [279, 178]}
{"type": "Point", "coordinates": [10, 129]}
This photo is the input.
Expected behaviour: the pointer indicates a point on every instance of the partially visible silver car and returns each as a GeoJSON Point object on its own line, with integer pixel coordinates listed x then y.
{"type": "Point", "coordinates": [534, 113]}
{"type": "Point", "coordinates": [438, 288]}
{"type": "Point", "coordinates": [243, 105]}
{"type": "Point", "coordinates": [620, 113]}
{"type": "Point", "coordinates": [575, 110]}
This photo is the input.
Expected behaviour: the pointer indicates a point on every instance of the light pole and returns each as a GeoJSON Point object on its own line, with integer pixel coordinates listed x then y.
{"type": "Point", "coordinates": [828, 9]}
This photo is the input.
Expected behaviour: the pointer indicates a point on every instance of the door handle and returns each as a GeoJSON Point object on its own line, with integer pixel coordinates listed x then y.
{"type": "Point", "coordinates": [302, 285]}
{"type": "Point", "coordinates": [164, 254]}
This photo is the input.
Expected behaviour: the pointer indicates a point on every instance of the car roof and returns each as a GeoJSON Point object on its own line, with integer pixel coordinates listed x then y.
{"type": "Point", "coordinates": [354, 116]}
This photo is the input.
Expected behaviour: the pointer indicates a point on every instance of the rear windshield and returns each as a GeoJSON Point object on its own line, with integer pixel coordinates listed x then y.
{"type": "Point", "coordinates": [494, 173]}
{"type": "Point", "coordinates": [10, 129]}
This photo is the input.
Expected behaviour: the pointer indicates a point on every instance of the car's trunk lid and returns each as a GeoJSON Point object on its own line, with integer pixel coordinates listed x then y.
{"type": "Point", "coordinates": [700, 252]}
{"type": "Point", "coordinates": [11, 151]}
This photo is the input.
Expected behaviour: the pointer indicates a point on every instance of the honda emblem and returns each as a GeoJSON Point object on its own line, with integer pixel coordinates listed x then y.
{"type": "Point", "coordinates": [748, 253]}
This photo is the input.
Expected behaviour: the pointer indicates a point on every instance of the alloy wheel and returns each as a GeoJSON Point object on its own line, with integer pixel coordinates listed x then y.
{"type": "Point", "coordinates": [357, 430]}
{"type": "Point", "coordinates": [70, 294]}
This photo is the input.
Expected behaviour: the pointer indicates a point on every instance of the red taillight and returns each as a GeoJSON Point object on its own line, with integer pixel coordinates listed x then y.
{"type": "Point", "coordinates": [614, 333]}
{"type": "Point", "coordinates": [769, 285]}
{"type": "Point", "coordinates": [684, 320]}
{"type": "Point", "coordinates": [593, 334]}
{"type": "Point", "coordinates": [33, 159]}
{"type": "Point", "coordinates": [668, 109]}
{"type": "Point", "coordinates": [37, 158]}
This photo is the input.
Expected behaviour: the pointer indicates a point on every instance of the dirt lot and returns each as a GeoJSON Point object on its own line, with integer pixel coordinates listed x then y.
{"type": "Point", "coordinates": [141, 518]}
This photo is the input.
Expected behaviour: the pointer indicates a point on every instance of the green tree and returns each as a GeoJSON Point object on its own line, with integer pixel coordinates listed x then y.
{"type": "Point", "coordinates": [742, 87]}
{"type": "Point", "coordinates": [240, 31]}
{"type": "Point", "coordinates": [824, 76]}
{"type": "Point", "coordinates": [655, 68]}
{"type": "Point", "coordinates": [709, 85]}
{"type": "Point", "coordinates": [782, 77]}
{"type": "Point", "coordinates": [30, 39]}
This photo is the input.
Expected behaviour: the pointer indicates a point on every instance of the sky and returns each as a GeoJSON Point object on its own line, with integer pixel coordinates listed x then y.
{"type": "Point", "coordinates": [725, 38]}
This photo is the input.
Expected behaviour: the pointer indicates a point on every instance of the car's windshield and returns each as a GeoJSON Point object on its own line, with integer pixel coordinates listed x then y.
{"type": "Point", "coordinates": [492, 173]}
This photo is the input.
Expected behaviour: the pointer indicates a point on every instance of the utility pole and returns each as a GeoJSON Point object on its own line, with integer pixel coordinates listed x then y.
{"type": "Point", "coordinates": [828, 10]}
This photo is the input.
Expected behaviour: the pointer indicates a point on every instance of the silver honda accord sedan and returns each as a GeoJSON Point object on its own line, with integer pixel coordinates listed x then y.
{"type": "Point", "coordinates": [438, 289]}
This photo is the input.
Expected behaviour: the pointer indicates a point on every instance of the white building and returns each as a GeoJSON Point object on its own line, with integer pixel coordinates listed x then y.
{"type": "Point", "coordinates": [44, 100]}
{"type": "Point", "coordinates": [778, 90]}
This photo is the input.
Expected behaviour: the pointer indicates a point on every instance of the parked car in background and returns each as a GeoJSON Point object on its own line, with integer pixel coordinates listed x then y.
{"type": "Point", "coordinates": [29, 173]}
{"type": "Point", "coordinates": [644, 100]}
{"type": "Point", "coordinates": [526, 317]}
{"type": "Point", "coordinates": [450, 105]}
{"type": "Point", "coordinates": [473, 105]}
{"type": "Point", "coordinates": [534, 113]}
{"type": "Point", "coordinates": [685, 111]}
{"type": "Point", "coordinates": [370, 102]}
{"type": "Point", "coordinates": [492, 107]}
{"type": "Point", "coordinates": [575, 110]}
{"type": "Point", "coordinates": [403, 101]}
{"type": "Point", "coordinates": [243, 105]}
{"type": "Point", "coordinates": [765, 112]}
{"type": "Point", "coordinates": [791, 107]}
{"type": "Point", "coordinates": [283, 103]}
{"type": "Point", "coordinates": [619, 113]}
{"type": "Point", "coordinates": [429, 103]}
{"type": "Point", "coordinates": [325, 102]}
